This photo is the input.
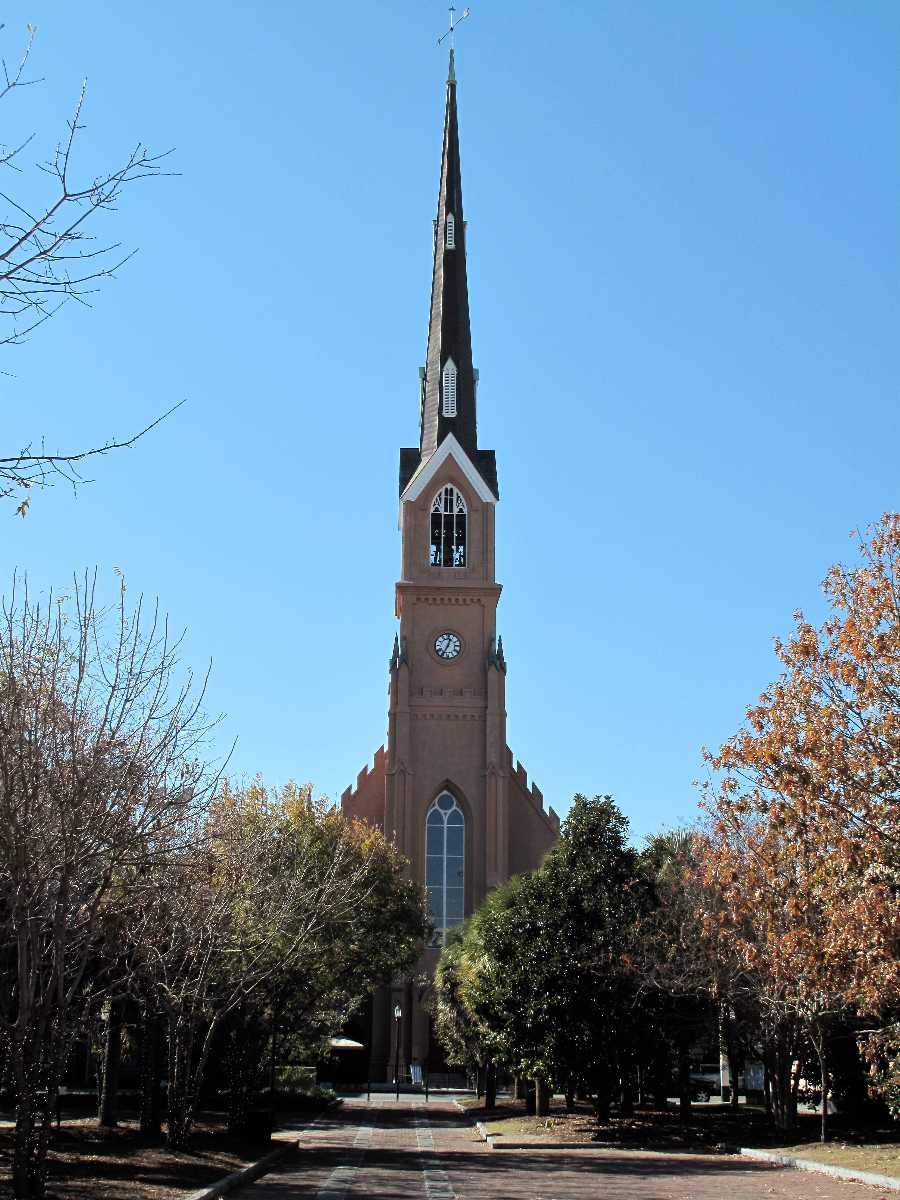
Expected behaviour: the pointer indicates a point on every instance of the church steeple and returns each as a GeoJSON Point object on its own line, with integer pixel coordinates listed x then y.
{"type": "Point", "coordinates": [448, 389]}
{"type": "Point", "coordinates": [448, 378]}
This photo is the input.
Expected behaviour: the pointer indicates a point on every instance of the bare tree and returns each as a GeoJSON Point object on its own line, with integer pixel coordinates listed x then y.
{"type": "Point", "coordinates": [99, 774]}
{"type": "Point", "coordinates": [49, 255]}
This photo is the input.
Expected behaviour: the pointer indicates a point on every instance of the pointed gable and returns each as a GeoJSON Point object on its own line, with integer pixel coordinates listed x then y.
{"type": "Point", "coordinates": [429, 467]}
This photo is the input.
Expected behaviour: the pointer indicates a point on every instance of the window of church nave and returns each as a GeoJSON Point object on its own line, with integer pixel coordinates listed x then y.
{"type": "Point", "coordinates": [448, 528]}
{"type": "Point", "coordinates": [445, 831]}
{"type": "Point", "coordinates": [449, 386]}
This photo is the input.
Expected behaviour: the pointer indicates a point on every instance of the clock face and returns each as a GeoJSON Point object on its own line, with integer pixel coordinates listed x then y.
{"type": "Point", "coordinates": [447, 645]}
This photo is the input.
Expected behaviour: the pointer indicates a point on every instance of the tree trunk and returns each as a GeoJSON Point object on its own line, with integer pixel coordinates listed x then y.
{"type": "Point", "coordinates": [660, 1094]}
{"type": "Point", "coordinates": [519, 1088]}
{"type": "Point", "coordinates": [178, 1117]}
{"type": "Point", "coordinates": [730, 1044]}
{"type": "Point", "coordinates": [28, 1171]}
{"type": "Point", "coordinates": [273, 1065]}
{"type": "Point", "coordinates": [541, 1097]}
{"type": "Point", "coordinates": [627, 1101]}
{"type": "Point", "coordinates": [767, 1088]}
{"type": "Point", "coordinates": [490, 1084]}
{"type": "Point", "coordinates": [780, 1074]}
{"type": "Point", "coordinates": [185, 1075]}
{"type": "Point", "coordinates": [108, 1114]}
{"type": "Point", "coordinates": [734, 1069]}
{"type": "Point", "coordinates": [603, 1098]}
{"type": "Point", "coordinates": [796, 1074]}
{"type": "Point", "coordinates": [246, 1051]}
{"type": "Point", "coordinates": [570, 1093]}
{"type": "Point", "coordinates": [151, 1036]}
{"type": "Point", "coordinates": [37, 1065]}
{"type": "Point", "coordinates": [818, 1041]}
{"type": "Point", "coordinates": [824, 1065]}
{"type": "Point", "coordinates": [684, 1078]}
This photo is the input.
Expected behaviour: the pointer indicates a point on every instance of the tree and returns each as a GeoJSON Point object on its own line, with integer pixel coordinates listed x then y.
{"type": "Point", "coordinates": [778, 894]}
{"type": "Point", "coordinates": [276, 897]}
{"type": "Point", "coordinates": [549, 979]}
{"type": "Point", "coordinates": [464, 1038]}
{"type": "Point", "coordinates": [686, 970]}
{"type": "Point", "coordinates": [805, 844]}
{"type": "Point", "coordinates": [98, 773]}
{"type": "Point", "coordinates": [313, 994]}
{"type": "Point", "coordinates": [49, 255]}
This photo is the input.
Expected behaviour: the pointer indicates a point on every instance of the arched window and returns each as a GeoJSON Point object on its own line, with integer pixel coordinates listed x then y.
{"type": "Point", "coordinates": [448, 528]}
{"type": "Point", "coordinates": [445, 835]}
{"type": "Point", "coordinates": [450, 232]}
{"type": "Point", "coordinates": [449, 388]}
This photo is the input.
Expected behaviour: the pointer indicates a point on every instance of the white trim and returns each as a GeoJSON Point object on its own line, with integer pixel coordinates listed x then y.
{"type": "Point", "coordinates": [427, 470]}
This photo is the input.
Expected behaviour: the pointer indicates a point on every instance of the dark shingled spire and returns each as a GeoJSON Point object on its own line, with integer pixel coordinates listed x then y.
{"type": "Point", "coordinates": [449, 335]}
{"type": "Point", "coordinates": [449, 332]}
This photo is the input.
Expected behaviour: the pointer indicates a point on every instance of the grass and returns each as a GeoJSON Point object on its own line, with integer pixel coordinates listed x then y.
{"type": "Point", "coordinates": [711, 1128]}
{"type": "Point", "coordinates": [881, 1158]}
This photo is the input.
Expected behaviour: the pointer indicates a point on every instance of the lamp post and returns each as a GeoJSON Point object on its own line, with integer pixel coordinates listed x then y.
{"type": "Point", "coordinates": [398, 1013]}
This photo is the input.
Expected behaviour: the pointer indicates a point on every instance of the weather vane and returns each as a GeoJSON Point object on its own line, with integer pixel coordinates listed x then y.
{"type": "Point", "coordinates": [453, 23]}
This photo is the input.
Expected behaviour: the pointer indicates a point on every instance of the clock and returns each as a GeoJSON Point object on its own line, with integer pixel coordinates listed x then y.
{"type": "Point", "coordinates": [447, 645]}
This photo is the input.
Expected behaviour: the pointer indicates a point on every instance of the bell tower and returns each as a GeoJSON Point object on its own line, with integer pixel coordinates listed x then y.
{"type": "Point", "coordinates": [444, 788]}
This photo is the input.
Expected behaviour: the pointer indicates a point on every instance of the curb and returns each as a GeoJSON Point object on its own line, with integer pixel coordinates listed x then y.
{"type": "Point", "coordinates": [892, 1183]}
{"type": "Point", "coordinates": [485, 1136]}
{"type": "Point", "coordinates": [223, 1186]}
{"type": "Point", "coordinates": [479, 1126]}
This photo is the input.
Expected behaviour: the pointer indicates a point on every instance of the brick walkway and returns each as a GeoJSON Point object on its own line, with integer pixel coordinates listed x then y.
{"type": "Point", "coordinates": [410, 1151]}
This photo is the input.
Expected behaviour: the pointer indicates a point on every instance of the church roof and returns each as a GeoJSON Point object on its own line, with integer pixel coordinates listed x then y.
{"type": "Point", "coordinates": [449, 329]}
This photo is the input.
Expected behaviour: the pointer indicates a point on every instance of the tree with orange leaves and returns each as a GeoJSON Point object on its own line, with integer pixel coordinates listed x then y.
{"type": "Point", "coordinates": [805, 844]}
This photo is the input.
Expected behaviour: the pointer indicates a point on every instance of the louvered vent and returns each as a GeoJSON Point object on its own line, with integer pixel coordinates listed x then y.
{"type": "Point", "coordinates": [449, 388]}
{"type": "Point", "coordinates": [450, 238]}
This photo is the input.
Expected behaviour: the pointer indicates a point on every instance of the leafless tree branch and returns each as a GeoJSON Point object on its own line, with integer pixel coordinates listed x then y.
{"type": "Point", "coordinates": [49, 256]}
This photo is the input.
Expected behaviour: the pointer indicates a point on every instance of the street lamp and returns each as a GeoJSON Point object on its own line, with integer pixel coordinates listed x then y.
{"type": "Point", "coordinates": [398, 1013]}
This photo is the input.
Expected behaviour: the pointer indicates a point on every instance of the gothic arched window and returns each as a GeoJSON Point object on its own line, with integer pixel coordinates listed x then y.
{"type": "Point", "coordinates": [448, 528]}
{"type": "Point", "coordinates": [445, 835]}
{"type": "Point", "coordinates": [450, 232]}
{"type": "Point", "coordinates": [448, 388]}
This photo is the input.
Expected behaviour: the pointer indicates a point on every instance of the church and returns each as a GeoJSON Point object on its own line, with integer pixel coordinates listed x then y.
{"type": "Point", "coordinates": [445, 787]}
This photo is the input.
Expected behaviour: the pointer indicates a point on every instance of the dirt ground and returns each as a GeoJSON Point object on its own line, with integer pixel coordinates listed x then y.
{"type": "Point", "coordinates": [89, 1164]}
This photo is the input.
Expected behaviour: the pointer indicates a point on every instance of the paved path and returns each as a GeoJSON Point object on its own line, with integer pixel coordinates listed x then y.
{"type": "Point", "coordinates": [409, 1151]}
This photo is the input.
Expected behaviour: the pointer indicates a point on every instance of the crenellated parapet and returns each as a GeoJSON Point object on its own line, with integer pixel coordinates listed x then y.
{"type": "Point", "coordinates": [366, 799]}
{"type": "Point", "coordinates": [519, 775]}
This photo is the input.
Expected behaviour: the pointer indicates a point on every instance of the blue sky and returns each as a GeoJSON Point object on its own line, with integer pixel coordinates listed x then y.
{"type": "Point", "coordinates": [684, 270]}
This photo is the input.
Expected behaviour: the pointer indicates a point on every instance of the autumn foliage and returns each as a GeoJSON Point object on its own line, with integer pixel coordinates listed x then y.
{"type": "Point", "coordinates": [805, 820]}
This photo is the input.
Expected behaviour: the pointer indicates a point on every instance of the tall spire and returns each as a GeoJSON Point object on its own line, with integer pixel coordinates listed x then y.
{"type": "Point", "coordinates": [449, 333]}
